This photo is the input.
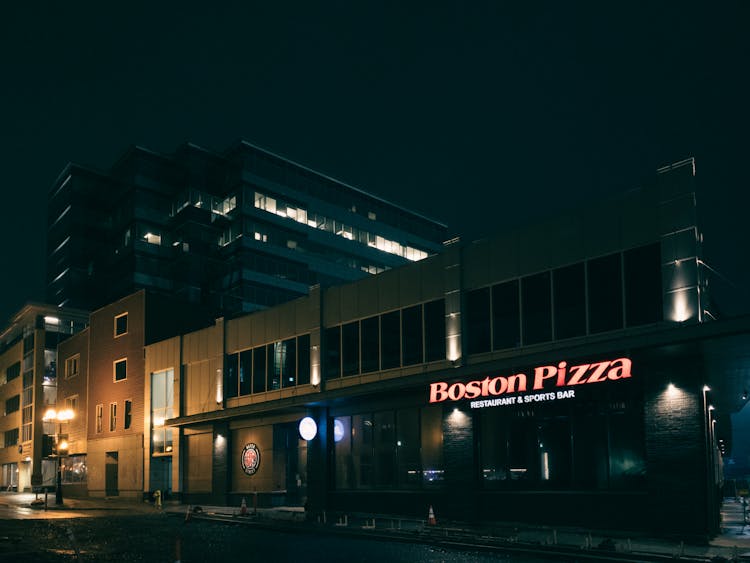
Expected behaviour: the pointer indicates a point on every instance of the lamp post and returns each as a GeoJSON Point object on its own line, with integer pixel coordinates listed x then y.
{"type": "Point", "coordinates": [61, 442]}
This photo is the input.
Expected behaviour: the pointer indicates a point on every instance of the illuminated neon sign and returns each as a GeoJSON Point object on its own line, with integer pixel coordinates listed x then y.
{"type": "Point", "coordinates": [545, 378]}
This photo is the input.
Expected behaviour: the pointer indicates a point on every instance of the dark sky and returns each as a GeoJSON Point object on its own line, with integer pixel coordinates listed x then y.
{"type": "Point", "coordinates": [480, 114]}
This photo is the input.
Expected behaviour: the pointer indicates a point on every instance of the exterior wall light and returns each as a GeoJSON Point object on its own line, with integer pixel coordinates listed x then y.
{"type": "Point", "coordinates": [308, 429]}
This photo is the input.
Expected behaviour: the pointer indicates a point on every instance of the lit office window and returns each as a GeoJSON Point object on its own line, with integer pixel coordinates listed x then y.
{"type": "Point", "coordinates": [317, 221]}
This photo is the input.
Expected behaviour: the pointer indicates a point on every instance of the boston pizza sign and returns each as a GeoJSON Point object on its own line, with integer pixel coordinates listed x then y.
{"type": "Point", "coordinates": [544, 383]}
{"type": "Point", "coordinates": [250, 459]}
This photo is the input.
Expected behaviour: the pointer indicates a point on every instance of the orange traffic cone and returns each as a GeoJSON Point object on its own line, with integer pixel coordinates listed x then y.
{"type": "Point", "coordinates": [431, 517]}
{"type": "Point", "coordinates": [243, 507]}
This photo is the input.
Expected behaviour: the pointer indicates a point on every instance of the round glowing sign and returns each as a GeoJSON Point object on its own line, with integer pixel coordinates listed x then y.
{"type": "Point", "coordinates": [250, 459]}
{"type": "Point", "coordinates": [307, 428]}
{"type": "Point", "coordinates": [338, 430]}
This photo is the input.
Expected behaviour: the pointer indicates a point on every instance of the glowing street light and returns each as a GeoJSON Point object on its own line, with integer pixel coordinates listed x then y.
{"type": "Point", "coordinates": [61, 440]}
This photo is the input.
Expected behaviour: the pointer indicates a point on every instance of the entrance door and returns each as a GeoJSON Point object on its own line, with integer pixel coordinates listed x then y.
{"type": "Point", "coordinates": [161, 474]}
{"type": "Point", "coordinates": [110, 475]}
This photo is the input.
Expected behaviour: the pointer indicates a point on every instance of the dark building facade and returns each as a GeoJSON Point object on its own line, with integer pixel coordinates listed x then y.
{"type": "Point", "coordinates": [237, 231]}
{"type": "Point", "coordinates": [568, 373]}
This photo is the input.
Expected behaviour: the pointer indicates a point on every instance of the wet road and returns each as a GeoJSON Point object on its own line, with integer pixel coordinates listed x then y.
{"type": "Point", "coordinates": [159, 537]}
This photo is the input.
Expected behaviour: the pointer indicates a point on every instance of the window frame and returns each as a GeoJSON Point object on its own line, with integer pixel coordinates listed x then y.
{"type": "Point", "coordinates": [114, 369]}
{"type": "Point", "coordinates": [99, 419]}
{"type": "Point", "coordinates": [74, 360]}
{"type": "Point", "coordinates": [113, 416]}
{"type": "Point", "coordinates": [16, 404]}
{"type": "Point", "coordinates": [117, 317]}
{"type": "Point", "coordinates": [127, 414]}
{"type": "Point", "coordinates": [72, 403]}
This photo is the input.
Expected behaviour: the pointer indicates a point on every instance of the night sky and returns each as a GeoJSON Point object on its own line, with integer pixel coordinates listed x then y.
{"type": "Point", "coordinates": [482, 114]}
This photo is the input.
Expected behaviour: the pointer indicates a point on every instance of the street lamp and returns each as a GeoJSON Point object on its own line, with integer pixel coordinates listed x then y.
{"type": "Point", "coordinates": [61, 442]}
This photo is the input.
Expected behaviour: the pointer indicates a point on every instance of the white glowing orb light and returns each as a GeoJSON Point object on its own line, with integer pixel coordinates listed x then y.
{"type": "Point", "coordinates": [338, 430]}
{"type": "Point", "coordinates": [307, 428]}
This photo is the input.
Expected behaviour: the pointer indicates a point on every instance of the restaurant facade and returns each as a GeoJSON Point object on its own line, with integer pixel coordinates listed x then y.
{"type": "Point", "coordinates": [565, 373]}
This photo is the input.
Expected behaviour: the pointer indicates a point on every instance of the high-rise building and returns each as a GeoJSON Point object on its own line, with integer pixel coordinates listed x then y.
{"type": "Point", "coordinates": [237, 231]}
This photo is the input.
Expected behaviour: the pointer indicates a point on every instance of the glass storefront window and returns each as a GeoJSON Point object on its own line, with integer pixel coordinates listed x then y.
{"type": "Point", "coordinates": [342, 444]}
{"type": "Point", "coordinates": [362, 450]}
{"type": "Point", "coordinates": [627, 466]}
{"type": "Point", "coordinates": [389, 449]}
{"type": "Point", "coordinates": [384, 442]}
{"type": "Point", "coordinates": [593, 445]}
{"type": "Point", "coordinates": [407, 448]}
{"type": "Point", "coordinates": [431, 430]}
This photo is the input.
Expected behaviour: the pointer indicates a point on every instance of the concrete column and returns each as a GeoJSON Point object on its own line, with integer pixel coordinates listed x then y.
{"type": "Point", "coordinates": [222, 464]}
{"type": "Point", "coordinates": [318, 463]}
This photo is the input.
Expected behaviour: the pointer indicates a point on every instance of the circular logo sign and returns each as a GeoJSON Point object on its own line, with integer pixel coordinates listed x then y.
{"type": "Point", "coordinates": [250, 459]}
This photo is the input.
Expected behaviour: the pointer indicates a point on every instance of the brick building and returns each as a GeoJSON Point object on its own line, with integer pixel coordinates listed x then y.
{"type": "Point", "coordinates": [107, 387]}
